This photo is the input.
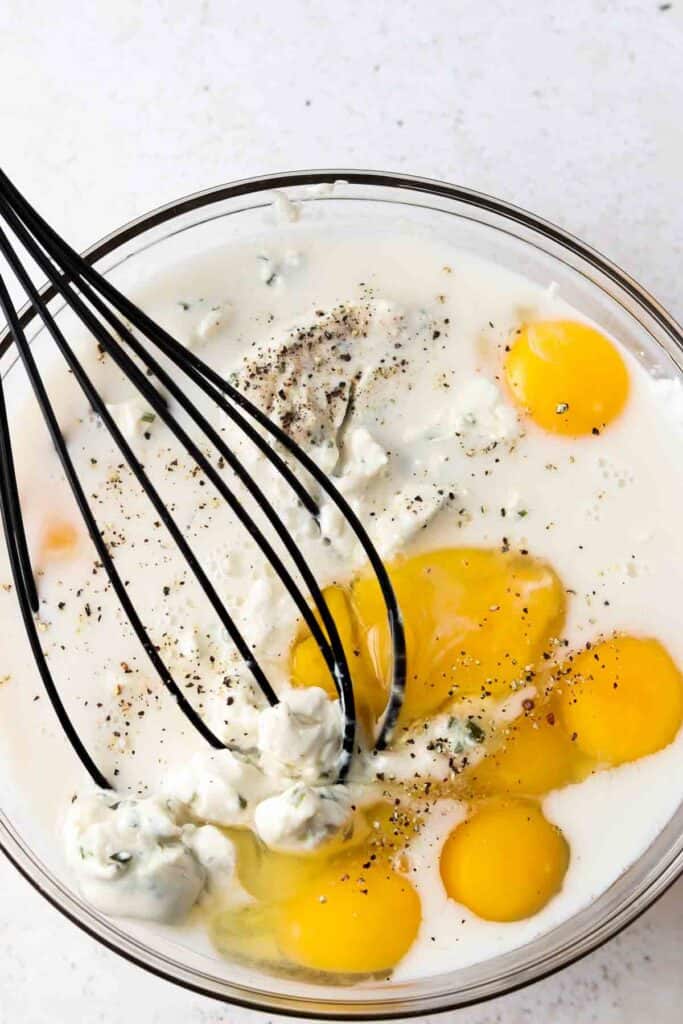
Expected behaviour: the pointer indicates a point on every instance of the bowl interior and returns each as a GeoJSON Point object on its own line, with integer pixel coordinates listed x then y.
{"type": "Point", "coordinates": [489, 229]}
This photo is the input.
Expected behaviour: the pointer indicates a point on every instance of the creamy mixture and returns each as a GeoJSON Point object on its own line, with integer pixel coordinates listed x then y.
{"type": "Point", "coordinates": [527, 545]}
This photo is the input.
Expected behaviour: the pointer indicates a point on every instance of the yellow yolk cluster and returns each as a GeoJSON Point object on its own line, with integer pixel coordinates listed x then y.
{"type": "Point", "coordinates": [505, 861]}
{"type": "Point", "coordinates": [480, 624]}
{"type": "Point", "coordinates": [567, 376]}
{"type": "Point", "coordinates": [613, 702]}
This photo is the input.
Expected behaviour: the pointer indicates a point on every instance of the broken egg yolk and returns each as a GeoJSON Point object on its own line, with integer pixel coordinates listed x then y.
{"type": "Point", "coordinates": [357, 917]}
{"type": "Point", "coordinates": [475, 620]}
{"type": "Point", "coordinates": [567, 376]}
{"type": "Point", "coordinates": [621, 699]}
{"type": "Point", "coordinates": [505, 861]}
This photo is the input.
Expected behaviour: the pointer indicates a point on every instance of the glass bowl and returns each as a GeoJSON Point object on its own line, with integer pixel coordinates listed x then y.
{"type": "Point", "coordinates": [491, 229]}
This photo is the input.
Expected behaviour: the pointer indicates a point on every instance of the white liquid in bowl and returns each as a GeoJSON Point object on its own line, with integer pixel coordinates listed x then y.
{"type": "Point", "coordinates": [428, 326]}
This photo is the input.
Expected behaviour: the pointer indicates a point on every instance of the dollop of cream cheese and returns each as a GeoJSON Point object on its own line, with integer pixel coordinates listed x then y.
{"type": "Point", "coordinates": [303, 817]}
{"type": "Point", "coordinates": [133, 858]}
{"type": "Point", "coordinates": [300, 738]}
{"type": "Point", "coordinates": [478, 415]}
{"type": "Point", "coordinates": [436, 749]}
{"type": "Point", "coordinates": [153, 858]}
{"type": "Point", "coordinates": [218, 786]}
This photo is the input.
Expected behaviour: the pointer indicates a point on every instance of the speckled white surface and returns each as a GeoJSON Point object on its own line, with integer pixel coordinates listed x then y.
{"type": "Point", "coordinates": [572, 110]}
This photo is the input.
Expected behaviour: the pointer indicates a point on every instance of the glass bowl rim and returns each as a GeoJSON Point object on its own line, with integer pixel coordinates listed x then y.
{"type": "Point", "coordinates": [11, 844]}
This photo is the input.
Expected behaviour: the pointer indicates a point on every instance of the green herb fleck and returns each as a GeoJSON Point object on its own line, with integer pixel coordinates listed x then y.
{"type": "Point", "coordinates": [475, 731]}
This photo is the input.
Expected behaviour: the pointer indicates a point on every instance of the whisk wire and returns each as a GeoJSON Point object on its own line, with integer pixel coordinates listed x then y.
{"type": "Point", "coordinates": [77, 490]}
{"type": "Point", "coordinates": [21, 566]}
{"type": "Point", "coordinates": [96, 303]}
{"type": "Point", "coordinates": [186, 360]}
{"type": "Point", "coordinates": [334, 655]}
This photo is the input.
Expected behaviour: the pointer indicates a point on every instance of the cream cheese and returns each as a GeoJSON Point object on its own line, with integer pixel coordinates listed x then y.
{"type": "Point", "coordinates": [303, 817]}
{"type": "Point", "coordinates": [131, 857]}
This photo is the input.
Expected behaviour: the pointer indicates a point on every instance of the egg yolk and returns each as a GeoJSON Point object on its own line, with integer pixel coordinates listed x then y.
{"type": "Point", "coordinates": [60, 539]}
{"type": "Point", "coordinates": [358, 917]}
{"type": "Point", "coordinates": [535, 755]}
{"type": "Point", "coordinates": [505, 861]}
{"type": "Point", "coordinates": [567, 376]}
{"type": "Point", "coordinates": [621, 699]}
{"type": "Point", "coordinates": [308, 667]}
{"type": "Point", "coordinates": [475, 620]}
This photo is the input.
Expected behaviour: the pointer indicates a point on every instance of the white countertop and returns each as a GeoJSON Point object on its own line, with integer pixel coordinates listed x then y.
{"type": "Point", "coordinates": [571, 110]}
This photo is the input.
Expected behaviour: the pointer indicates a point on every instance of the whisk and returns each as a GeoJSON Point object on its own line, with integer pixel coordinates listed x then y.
{"type": "Point", "coordinates": [123, 331]}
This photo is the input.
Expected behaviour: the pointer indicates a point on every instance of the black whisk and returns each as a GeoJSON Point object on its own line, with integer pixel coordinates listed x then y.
{"type": "Point", "coordinates": [112, 319]}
